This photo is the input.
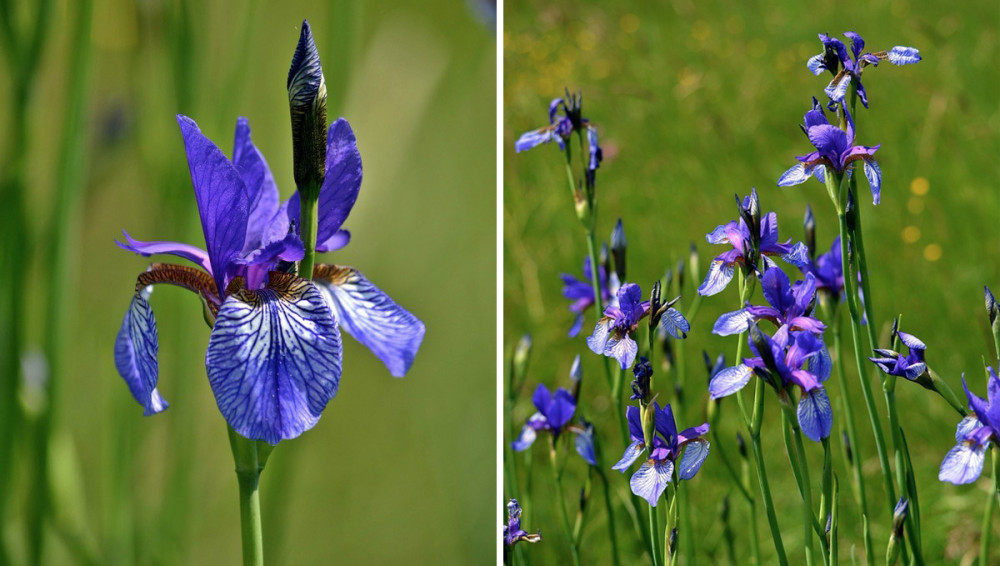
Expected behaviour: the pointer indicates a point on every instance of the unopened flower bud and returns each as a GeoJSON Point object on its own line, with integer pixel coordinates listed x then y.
{"type": "Point", "coordinates": [895, 538]}
{"type": "Point", "coordinates": [619, 245]}
{"type": "Point", "coordinates": [576, 377]}
{"type": "Point", "coordinates": [693, 265]}
{"type": "Point", "coordinates": [642, 371]}
{"type": "Point", "coordinates": [993, 310]}
{"type": "Point", "coordinates": [520, 360]}
{"type": "Point", "coordinates": [848, 451]}
{"type": "Point", "coordinates": [654, 305]}
{"type": "Point", "coordinates": [741, 445]}
{"type": "Point", "coordinates": [809, 226]}
{"type": "Point", "coordinates": [680, 277]}
{"type": "Point", "coordinates": [851, 212]}
{"type": "Point", "coordinates": [648, 419]}
{"type": "Point", "coordinates": [307, 103]}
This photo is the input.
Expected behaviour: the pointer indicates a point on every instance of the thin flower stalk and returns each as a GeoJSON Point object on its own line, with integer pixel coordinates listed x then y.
{"type": "Point", "coordinates": [561, 499]}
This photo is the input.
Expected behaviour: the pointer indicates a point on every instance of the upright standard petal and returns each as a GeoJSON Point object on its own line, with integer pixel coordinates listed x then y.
{"type": "Point", "coordinates": [222, 200]}
{"type": "Point", "coordinates": [391, 332]}
{"type": "Point", "coordinates": [963, 463]}
{"type": "Point", "coordinates": [649, 481]}
{"type": "Point", "coordinates": [136, 350]}
{"type": "Point", "coordinates": [815, 414]}
{"type": "Point", "coordinates": [263, 201]}
{"type": "Point", "coordinates": [694, 456]}
{"type": "Point", "coordinates": [274, 358]}
{"type": "Point", "coordinates": [341, 181]}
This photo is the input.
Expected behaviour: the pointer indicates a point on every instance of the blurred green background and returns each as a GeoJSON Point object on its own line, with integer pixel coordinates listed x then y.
{"type": "Point", "coordinates": [696, 101]}
{"type": "Point", "coordinates": [396, 470]}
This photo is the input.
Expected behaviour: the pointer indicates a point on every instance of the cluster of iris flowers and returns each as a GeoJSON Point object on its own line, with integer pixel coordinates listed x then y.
{"type": "Point", "coordinates": [791, 357]}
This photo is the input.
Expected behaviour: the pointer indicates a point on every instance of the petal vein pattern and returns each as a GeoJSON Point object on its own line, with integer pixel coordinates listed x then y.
{"type": "Point", "coordinates": [274, 359]}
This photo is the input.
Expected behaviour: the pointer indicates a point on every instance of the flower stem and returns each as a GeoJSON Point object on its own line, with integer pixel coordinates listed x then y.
{"type": "Point", "coordinates": [984, 540]}
{"type": "Point", "coordinates": [801, 480]}
{"type": "Point", "coordinates": [611, 517]}
{"type": "Point", "coordinates": [765, 487]}
{"type": "Point", "coordinates": [654, 528]}
{"type": "Point", "coordinates": [835, 521]}
{"type": "Point", "coordinates": [310, 221]}
{"type": "Point", "coordinates": [850, 293]}
{"type": "Point", "coordinates": [248, 477]}
{"type": "Point", "coordinates": [561, 501]}
{"type": "Point", "coordinates": [852, 437]}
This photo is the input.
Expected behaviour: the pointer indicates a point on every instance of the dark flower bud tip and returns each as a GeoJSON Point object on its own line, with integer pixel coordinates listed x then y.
{"type": "Point", "coordinates": [992, 308]}
{"type": "Point", "coordinates": [307, 102]}
{"type": "Point", "coordinates": [619, 246]}
{"type": "Point", "coordinates": [642, 371]}
{"type": "Point", "coordinates": [742, 445]}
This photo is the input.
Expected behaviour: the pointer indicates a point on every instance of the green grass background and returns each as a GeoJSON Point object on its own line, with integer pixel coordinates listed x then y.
{"type": "Point", "coordinates": [696, 101]}
{"type": "Point", "coordinates": [396, 470]}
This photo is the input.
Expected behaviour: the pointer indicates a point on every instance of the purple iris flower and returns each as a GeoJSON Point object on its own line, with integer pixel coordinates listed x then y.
{"type": "Point", "coordinates": [512, 531]}
{"type": "Point", "coordinates": [554, 413]}
{"type": "Point", "coordinates": [560, 128]}
{"type": "Point", "coordinates": [581, 292]}
{"type": "Point", "coordinates": [798, 359]}
{"type": "Point", "coordinates": [893, 363]}
{"type": "Point", "coordinates": [790, 306]}
{"type": "Point", "coordinates": [835, 53]}
{"type": "Point", "coordinates": [274, 356]}
{"type": "Point", "coordinates": [612, 335]}
{"type": "Point", "coordinates": [649, 481]}
{"type": "Point", "coordinates": [737, 234]}
{"type": "Point", "coordinates": [828, 270]}
{"type": "Point", "coordinates": [835, 150]}
{"type": "Point", "coordinates": [964, 462]}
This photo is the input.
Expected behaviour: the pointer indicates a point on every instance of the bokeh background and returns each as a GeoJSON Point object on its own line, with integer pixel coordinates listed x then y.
{"type": "Point", "coordinates": [396, 470]}
{"type": "Point", "coordinates": [698, 101]}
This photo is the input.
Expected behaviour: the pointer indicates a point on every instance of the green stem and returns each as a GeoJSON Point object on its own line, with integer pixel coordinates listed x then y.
{"type": "Point", "coordinates": [852, 437]}
{"type": "Point", "coordinates": [758, 457]}
{"type": "Point", "coordinates": [561, 501]}
{"type": "Point", "coordinates": [987, 530]}
{"type": "Point", "coordinates": [310, 220]}
{"type": "Point", "coordinates": [850, 293]}
{"type": "Point", "coordinates": [248, 477]}
{"type": "Point", "coordinates": [835, 522]}
{"type": "Point", "coordinates": [654, 528]}
{"type": "Point", "coordinates": [795, 458]}
{"type": "Point", "coordinates": [611, 517]}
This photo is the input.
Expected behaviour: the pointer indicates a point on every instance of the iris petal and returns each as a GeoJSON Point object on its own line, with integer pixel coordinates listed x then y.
{"type": "Point", "coordinates": [732, 323]}
{"type": "Point", "coordinates": [632, 451]}
{"type": "Point", "coordinates": [717, 279]}
{"type": "Point", "coordinates": [274, 359]}
{"type": "Point", "coordinates": [729, 381]}
{"type": "Point", "coordinates": [532, 139]}
{"type": "Point", "coordinates": [191, 253]}
{"type": "Point", "coordinates": [815, 64]}
{"type": "Point", "coordinates": [391, 332]}
{"type": "Point", "coordinates": [815, 414]}
{"type": "Point", "coordinates": [136, 349]}
{"type": "Point", "coordinates": [794, 176]}
{"type": "Point", "coordinates": [900, 55]}
{"type": "Point", "coordinates": [222, 200]}
{"type": "Point", "coordinates": [341, 181]}
{"type": "Point", "coordinates": [525, 439]}
{"type": "Point", "coordinates": [649, 481]}
{"type": "Point", "coordinates": [874, 175]}
{"type": "Point", "coordinates": [694, 456]}
{"type": "Point", "coordinates": [623, 349]}
{"type": "Point", "coordinates": [963, 463]}
{"type": "Point", "coordinates": [262, 192]}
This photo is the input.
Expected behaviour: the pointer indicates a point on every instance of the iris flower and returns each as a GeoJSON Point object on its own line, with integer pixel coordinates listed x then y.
{"type": "Point", "coordinates": [555, 411]}
{"type": "Point", "coordinates": [790, 359]}
{"type": "Point", "coordinates": [560, 128]}
{"type": "Point", "coordinates": [911, 366]}
{"type": "Point", "coordinates": [964, 462]}
{"type": "Point", "coordinates": [613, 334]}
{"type": "Point", "coordinates": [274, 356]}
{"type": "Point", "coordinates": [581, 292]}
{"type": "Point", "coordinates": [828, 270]}
{"type": "Point", "coordinates": [834, 57]}
{"type": "Point", "coordinates": [738, 235]}
{"type": "Point", "coordinates": [512, 531]}
{"type": "Point", "coordinates": [649, 481]}
{"type": "Point", "coordinates": [791, 306]}
{"type": "Point", "coordinates": [835, 150]}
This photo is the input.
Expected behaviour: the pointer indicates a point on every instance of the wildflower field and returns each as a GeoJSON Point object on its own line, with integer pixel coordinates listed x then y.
{"type": "Point", "coordinates": [91, 96]}
{"type": "Point", "coordinates": [692, 103]}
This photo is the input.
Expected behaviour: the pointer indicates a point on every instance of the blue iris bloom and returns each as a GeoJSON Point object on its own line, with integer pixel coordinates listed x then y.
{"type": "Point", "coordinates": [613, 334]}
{"type": "Point", "coordinates": [790, 305]}
{"type": "Point", "coordinates": [964, 463]}
{"type": "Point", "coordinates": [274, 356]}
{"type": "Point", "coordinates": [834, 57]}
{"type": "Point", "coordinates": [685, 450]}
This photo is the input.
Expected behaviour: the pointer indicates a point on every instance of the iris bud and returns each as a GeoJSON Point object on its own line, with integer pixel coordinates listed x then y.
{"type": "Point", "coordinates": [307, 102]}
{"type": "Point", "coordinates": [809, 225]}
{"type": "Point", "coordinates": [648, 412]}
{"type": "Point", "coordinates": [619, 245]}
{"type": "Point", "coordinates": [521, 354]}
{"type": "Point", "coordinates": [693, 265]}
